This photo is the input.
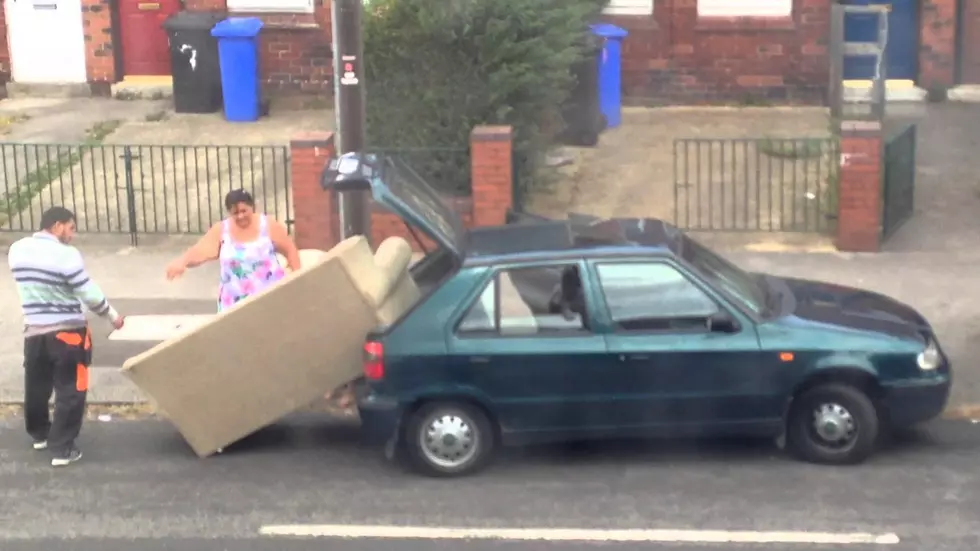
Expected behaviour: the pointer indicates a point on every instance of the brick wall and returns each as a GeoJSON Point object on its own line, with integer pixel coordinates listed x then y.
{"type": "Point", "coordinates": [4, 49]}
{"type": "Point", "coordinates": [204, 5]}
{"type": "Point", "coordinates": [315, 211]}
{"type": "Point", "coordinates": [99, 52]}
{"type": "Point", "coordinates": [672, 56]}
{"type": "Point", "coordinates": [296, 50]}
{"type": "Point", "coordinates": [970, 43]}
{"type": "Point", "coordinates": [677, 57]}
{"type": "Point", "coordinates": [937, 46]}
{"type": "Point", "coordinates": [859, 216]}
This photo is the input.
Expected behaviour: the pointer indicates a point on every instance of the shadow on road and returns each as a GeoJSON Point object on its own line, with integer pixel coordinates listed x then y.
{"type": "Point", "coordinates": [342, 439]}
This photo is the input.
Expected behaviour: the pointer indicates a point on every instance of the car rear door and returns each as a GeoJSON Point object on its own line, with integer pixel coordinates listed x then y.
{"type": "Point", "coordinates": [543, 372]}
{"type": "Point", "coordinates": [676, 372]}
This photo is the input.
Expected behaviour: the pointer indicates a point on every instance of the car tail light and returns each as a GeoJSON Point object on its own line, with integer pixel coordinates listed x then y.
{"type": "Point", "coordinates": [374, 361]}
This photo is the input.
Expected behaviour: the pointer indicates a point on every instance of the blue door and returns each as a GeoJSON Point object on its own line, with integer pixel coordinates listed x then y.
{"type": "Point", "coordinates": [903, 39]}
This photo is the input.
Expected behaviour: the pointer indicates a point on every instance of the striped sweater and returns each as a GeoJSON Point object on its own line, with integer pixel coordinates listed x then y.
{"type": "Point", "coordinates": [53, 283]}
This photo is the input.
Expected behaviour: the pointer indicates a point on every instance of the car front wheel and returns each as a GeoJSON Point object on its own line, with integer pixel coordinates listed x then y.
{"type": "Point", "coordinates": [833, 424]}
{"type": "Point", "coordinates": [447, 439]}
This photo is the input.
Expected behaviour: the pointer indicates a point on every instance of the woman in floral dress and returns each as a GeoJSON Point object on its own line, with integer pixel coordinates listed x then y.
{"type": "Point", "coordinates": [245, 244]}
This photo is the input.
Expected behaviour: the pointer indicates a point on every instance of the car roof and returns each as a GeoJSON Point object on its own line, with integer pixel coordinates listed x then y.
{"type": "Point", "coordinates": [541, 239]}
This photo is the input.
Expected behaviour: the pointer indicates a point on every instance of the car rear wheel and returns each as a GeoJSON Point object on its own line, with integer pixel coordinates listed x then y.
{"type": "Point", "coordinates": [447, 439]}
{"type": "Point", "coordinates": [833, 424]}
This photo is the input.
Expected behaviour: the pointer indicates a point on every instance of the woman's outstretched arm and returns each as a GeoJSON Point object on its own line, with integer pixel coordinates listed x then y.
{"type": "Point", "coordinates": [284, 244]}
{"type": "Point", "coordinates": [205, 250]}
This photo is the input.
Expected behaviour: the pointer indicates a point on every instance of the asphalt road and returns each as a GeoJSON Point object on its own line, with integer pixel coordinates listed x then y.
{"type": "Point", "coordinates": [139, 480]}
{"type": "Point", "coordinates": [225, 544]}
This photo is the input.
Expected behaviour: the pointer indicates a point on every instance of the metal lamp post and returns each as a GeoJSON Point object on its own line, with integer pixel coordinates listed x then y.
{"type": "Point", "coordinates": [349, 105]}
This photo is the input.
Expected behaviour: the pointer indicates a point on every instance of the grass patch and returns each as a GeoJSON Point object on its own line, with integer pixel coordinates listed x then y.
{"type": "Point", "coordinates": [8, 121]}
{"type": "Point", "coordinates": [158, 116]}
{"type": "Point", "coordinates": [100, 131]}
{"type": "Point", "coordinates": [53, 168]}
{"type": "Point", "coordinates": [126, 95]}
{"type": "Point", "coordinates": [807, 148]}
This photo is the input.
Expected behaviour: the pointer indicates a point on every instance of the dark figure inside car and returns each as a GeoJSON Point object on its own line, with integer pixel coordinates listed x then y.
{"type": "Point", "coordinates": [569, 298]}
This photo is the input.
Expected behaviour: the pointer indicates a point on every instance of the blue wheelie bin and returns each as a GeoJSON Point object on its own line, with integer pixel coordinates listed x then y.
{"type": "Point", "coordinates": [610, 72]}
{"type": "Point", "coordinates": [238, 53]}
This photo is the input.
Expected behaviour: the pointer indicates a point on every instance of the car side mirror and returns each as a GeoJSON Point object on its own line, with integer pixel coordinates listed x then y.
{"type": "Point", "coordinates": [722, 322]}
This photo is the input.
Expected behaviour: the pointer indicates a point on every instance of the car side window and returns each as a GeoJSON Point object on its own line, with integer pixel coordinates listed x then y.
{"type": "Point", "coordinates": [540, 301]}
{"type": "Point", "coordinates": [653, 296]}
{"type": "Point", "coordinates": [480, 317]}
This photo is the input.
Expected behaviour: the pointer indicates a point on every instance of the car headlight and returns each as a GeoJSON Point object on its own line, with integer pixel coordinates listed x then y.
{"type": "Point", "coordinates": [929, 358]}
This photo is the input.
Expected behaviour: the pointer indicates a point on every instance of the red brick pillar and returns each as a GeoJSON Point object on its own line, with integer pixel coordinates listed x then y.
{"type": "Point", "coordinates": [860, 190]}
{"type": "Point", "coordinates": [491, 150]}
{"type": "Point", "coordinates": [314, 209]}
{"type": "Point", "coordinates": [99, 50]}
{"type": "Point", "coordinates": [937, 45]}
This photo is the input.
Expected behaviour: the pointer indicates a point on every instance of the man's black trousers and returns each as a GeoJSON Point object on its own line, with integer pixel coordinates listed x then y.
{"type": "Point", "coordinates": [56, 362]}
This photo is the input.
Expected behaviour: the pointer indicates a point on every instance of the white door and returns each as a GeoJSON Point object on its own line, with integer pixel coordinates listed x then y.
{"type": "Point", "coordinates": [47, 43]}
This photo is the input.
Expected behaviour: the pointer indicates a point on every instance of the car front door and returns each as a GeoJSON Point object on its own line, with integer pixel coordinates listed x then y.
{"type": "Point", "coordinates": [541, 366]}
{"type": "Point", "coordinates": [684, 357]}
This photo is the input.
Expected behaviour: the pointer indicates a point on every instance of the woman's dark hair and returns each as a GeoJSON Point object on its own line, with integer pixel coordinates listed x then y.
{"type": "Point", "coordinates": [236, 196]}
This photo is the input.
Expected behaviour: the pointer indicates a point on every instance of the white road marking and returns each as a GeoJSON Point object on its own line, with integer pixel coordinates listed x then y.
{"type": "Point", "coordinates": [571, 534]}
{"type": "Point", "coordinates": [158, 327]}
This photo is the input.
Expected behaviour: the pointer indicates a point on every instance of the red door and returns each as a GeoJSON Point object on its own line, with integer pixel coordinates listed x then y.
{"type": "Point", "coordinates": [970, 73]}
{"type": "Point", "coordinates": [145, 48]}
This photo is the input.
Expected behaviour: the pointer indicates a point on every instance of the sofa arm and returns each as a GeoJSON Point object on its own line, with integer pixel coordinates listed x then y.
{"type": "Point", "coordinates": [391, 262]}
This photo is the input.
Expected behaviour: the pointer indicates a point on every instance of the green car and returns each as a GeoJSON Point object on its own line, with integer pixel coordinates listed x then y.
{"type": "Point", "coordinates": [586, 328]}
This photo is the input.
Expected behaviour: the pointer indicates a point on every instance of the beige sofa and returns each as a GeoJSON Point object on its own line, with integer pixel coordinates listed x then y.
{"type": "Point", "coordinates": [280, 350]}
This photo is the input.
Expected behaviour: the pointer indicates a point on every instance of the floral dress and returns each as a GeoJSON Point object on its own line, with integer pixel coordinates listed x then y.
{"type": "Point", "coordinates": [246, 268]}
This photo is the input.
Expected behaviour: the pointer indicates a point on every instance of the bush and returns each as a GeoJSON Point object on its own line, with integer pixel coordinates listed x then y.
{"type": "Point", "coordinates": [434, 69]}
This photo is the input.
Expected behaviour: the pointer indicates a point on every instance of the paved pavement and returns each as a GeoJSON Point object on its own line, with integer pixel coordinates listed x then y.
{"type": "Point", "coordinates": [110, 354]}
{"type": "Point", "coordinates": [139, 480]}
{"type": "Point", "coordinates": [947, 184]}
{"type": "Point", "coordinates": [122, 271]}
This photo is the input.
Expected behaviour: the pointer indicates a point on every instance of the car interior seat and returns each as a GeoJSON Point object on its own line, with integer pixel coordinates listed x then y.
{"type": "Point", "coordinates": [572, 295]}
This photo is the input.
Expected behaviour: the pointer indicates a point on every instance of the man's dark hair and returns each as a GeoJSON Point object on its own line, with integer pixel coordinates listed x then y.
{"type": "Point", "coordinates": [236, 196]}
{"type": "Point", "coordinates": [56, 215]}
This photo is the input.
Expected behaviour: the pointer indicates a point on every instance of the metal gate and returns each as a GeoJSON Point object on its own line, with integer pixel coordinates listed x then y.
{"type": "Point", "coordinates": [898, 195]}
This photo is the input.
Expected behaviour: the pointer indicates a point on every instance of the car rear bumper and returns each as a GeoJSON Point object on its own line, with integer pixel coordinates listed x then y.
{"type": "Point", "coordinates": [915, 402]}
{"type": "Point", "coordinates": [380, 418]}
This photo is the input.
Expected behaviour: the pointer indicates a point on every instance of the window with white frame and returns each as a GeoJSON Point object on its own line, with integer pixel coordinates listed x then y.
{"type": "Point", "coordinates": [745, 8]}
{"type": "Point", "coordinates": [629, 7]}
{"type": "Point", "coordinates": [273, 6]}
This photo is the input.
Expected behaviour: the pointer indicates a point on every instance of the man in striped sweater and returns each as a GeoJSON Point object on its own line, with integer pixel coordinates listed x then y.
{"type": "Point", "coordinates": [53, 285]}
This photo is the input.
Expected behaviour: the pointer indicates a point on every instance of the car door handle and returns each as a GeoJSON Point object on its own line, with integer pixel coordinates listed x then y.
{"type": "Point", "coordinates": [479, 359]}
{"type": "Point", "coordinates": [634, 357]}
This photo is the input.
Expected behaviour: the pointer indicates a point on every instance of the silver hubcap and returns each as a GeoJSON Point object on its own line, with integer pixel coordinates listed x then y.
{"type": "Point", "coordinates": [448, 439]}
{"type": "Point", "coordinates": [834, 424]}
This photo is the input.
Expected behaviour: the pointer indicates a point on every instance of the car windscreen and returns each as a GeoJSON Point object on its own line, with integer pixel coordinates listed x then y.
{"type": "Point", "coordinates": [723, 274]}
{"type": "Point", "coordinates": [411, 189]}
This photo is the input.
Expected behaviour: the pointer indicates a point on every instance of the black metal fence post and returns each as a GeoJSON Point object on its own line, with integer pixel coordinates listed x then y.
{"type": "Point", "coordinates": [130, 195]}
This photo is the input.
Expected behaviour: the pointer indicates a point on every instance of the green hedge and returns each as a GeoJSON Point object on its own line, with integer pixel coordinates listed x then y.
{"type": "Point", "coordinates": [436, 68]}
